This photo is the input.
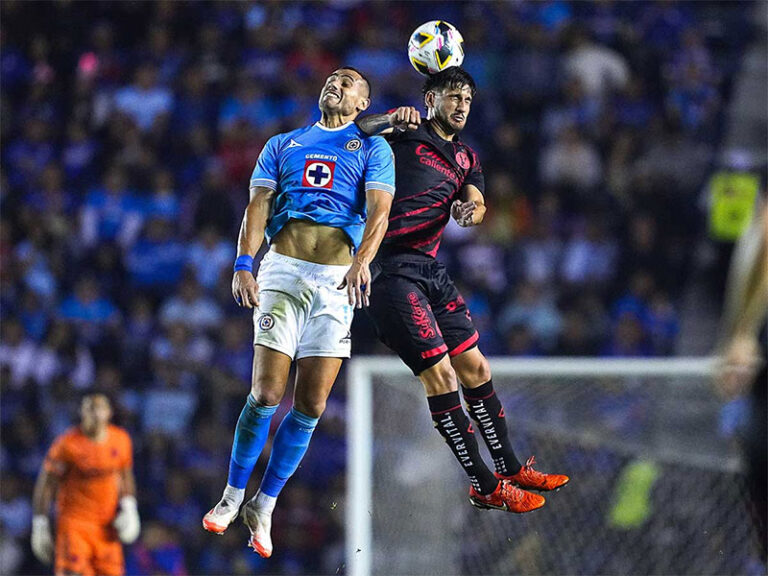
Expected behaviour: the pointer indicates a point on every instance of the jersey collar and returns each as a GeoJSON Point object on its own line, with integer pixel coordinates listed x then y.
{"type": "Point", "coordinates": [340, 128]}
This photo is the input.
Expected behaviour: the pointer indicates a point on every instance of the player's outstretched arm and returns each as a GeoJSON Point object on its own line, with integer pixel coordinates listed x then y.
{"type": "Point", "coordinates": [470, 210]}
{"type": "Point", "coordinates": [42, 539]}
{"type": "Point", "coordinates": [745, 309]}
{"type": "Point", "coordinates": [245, 291]}
{"type": "Point", "coordinates": [127, 522]}
{"type": "Point", "coordinates": [358, 279]}
{"type": "Point", "coordinates": [402, 118]}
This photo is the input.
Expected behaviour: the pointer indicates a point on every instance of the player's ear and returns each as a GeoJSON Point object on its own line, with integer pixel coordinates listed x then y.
{"type": "Point", "coordinates": [429, 99]}
{"type": "Point", "coordinates": [363, 104]}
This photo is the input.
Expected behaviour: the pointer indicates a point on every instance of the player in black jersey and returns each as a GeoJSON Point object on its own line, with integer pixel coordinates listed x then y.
{"type": "Point", "coordinates": [414, 305]}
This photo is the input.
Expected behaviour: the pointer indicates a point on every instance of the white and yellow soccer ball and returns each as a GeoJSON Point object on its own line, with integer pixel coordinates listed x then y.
{"type": "Point", "coordinates": [435, 46]}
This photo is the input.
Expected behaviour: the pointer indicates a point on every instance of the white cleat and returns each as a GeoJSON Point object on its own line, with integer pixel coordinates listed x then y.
{"type": "Point", "coordinates": [260, 525]}
{"type": "Point", "coordinates": [220, 517]}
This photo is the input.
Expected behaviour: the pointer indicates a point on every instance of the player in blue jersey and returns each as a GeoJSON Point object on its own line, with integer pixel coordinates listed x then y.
{"type": "Point", "coordinates": [321, 197]}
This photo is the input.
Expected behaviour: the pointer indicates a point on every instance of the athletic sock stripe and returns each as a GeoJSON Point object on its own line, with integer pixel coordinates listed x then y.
{"type": "Point", "coordinates": [476, 398]}
{"type": "Point", "coordinates": [445, 411]}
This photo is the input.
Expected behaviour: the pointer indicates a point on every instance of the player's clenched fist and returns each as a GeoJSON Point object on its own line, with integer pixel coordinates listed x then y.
{"type": "Point", "coordinates": [405, 118]}
{"type": "Point", "coordinates": [245, 290]}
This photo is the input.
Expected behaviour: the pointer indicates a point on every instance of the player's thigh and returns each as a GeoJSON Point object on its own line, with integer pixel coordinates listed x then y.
{"type": "Point", "coordinates": [454, 320]}
{"type": "Point", "coordinates": [270, 374]}
{"type": "Point", "coordinates": [108, 557]}
{"type": "Point", "coordinates": [327, 330]}
{"type": "Point", "coordinates": [315, 376]}
{"type": "Point", "coordinates": [279, 321]}
{"type": "Point", "coordinates": [404, 321]}
{"type": "Point", "coordinates": [74, 551]}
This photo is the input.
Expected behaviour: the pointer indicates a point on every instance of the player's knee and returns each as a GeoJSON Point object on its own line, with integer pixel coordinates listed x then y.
{"type": "Point", "coordinates": [267, 397]}
{"type": "Point", "coordinates": [312, 407]}
{"type": "Point", "coordinates": [475, 373]}
{"type": "Point", "coordinates": [482, 371]}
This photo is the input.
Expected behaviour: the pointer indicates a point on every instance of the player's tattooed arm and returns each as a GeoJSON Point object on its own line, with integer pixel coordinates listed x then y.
{"type": "Point", "coordinates": [470, 209]}
{"type": "Point", "coordinates": [357, 281]}
{"type": "Point", "coordinates": [402, 118]}
{"type": "Point", "coordinates": [245, 291]}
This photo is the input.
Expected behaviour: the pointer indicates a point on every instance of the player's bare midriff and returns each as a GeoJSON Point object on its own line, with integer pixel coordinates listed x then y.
{"type": "Point", "coordinates": [313, 242]}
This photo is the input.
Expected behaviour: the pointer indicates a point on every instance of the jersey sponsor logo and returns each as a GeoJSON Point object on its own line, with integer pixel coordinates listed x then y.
{"type": "Point", "coordinates": [266, 322]}
{"type": "Point", "coordinates": [420, 317]}
{"type": "Point", "coordinates": [462, 159]}
{"type": "Point", "coordinates": [293, 144]}
{"type": "Point", "coordinates": [318, 174]}
{"type": "Point", "coordinates": [435, 161]}
{"type": "Point", "coordinates": [353, 145]}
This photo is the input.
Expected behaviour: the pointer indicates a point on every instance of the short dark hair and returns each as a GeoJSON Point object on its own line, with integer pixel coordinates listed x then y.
{"type": "Point", "coordinates": [453, 77]}
{"type": "Point", "coordinates": [363, 76]}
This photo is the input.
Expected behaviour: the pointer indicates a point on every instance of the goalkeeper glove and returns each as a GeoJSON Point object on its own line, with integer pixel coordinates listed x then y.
{"type": "Point", "coordinates": [42, 541]}
{"type": "Point", "coordinates": [127, 521]}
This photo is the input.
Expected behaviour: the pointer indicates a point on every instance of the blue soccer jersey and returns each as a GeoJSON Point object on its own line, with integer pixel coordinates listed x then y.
{"type": "Point", "coordinates": [321, 174]}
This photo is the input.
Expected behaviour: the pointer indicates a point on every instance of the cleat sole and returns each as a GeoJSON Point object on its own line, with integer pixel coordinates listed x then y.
{"type": "Point", "coordinates": [217, 529]}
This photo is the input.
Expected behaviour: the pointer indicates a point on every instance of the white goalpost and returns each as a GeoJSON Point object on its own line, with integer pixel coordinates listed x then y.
{"type": "Point", "coordinates": [628, 431]}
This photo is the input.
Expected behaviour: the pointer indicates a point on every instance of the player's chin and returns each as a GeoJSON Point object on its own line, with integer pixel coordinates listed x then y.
{"type": "Point", "coordinates": [458, 125]}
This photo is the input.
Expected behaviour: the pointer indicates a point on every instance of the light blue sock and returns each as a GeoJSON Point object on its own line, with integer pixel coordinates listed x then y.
{"type": "Point", "coordinates": [290, 445]}
{"type": "Point", "coordinates": [250, 436]}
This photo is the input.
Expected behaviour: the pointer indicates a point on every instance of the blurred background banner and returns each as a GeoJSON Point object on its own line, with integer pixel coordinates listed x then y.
{"type": "Point", "coordinates": [623, 144]}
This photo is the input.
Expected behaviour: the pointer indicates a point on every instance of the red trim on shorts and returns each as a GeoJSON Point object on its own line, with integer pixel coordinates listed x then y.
{"type": "Point", "coordinates": [464, 345]}
{"type": "Point", "coordinates": [435, 351]}
{"type": "Point", "coordinates": [444, 411]}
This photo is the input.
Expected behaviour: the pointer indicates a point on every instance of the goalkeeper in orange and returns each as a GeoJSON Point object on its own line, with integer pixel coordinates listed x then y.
{"type": "Point", "coordinates": [89, 469]}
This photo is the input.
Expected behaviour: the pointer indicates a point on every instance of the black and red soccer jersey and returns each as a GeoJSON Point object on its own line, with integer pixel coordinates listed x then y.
{"type": "Point", "coordinates": [430, 172]}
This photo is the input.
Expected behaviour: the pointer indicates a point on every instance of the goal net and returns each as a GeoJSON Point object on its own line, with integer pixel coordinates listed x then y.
{"type": "Point", "coordinates": [656, 486]}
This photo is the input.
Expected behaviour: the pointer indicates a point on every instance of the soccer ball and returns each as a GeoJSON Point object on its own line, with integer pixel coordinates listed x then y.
{"type": "Point", "coordinates": [435, 46]}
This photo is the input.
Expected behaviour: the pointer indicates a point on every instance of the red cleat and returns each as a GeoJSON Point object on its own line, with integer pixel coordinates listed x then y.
{"type": "Point", "coordinates": [531, 479]}
{"type": "Point", "coordinates": [506, 497]}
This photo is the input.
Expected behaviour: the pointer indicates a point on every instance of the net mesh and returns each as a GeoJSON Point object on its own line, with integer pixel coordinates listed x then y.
{"type": "Point", "coordinates": [655, 488]}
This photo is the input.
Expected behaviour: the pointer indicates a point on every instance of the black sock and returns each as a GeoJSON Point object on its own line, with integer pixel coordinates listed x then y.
{"type": "Point", "coordinates": [454, 426]}
{"type": "Point", "coordinates": [485, 408]}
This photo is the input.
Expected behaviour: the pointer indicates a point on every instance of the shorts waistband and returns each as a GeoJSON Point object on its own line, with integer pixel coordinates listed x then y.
{"type": "Point", "coordinates": [306, 265]}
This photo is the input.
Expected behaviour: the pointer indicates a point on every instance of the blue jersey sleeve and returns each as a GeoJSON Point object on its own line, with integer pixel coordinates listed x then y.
{"type": "Point", "coordinates": [380, 166]}
{"type": "Point", "coordinates": [266, 172]}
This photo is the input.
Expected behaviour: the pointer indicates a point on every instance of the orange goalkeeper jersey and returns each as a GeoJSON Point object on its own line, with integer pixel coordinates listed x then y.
{"type": "Point", "coordinates": [89, 473]}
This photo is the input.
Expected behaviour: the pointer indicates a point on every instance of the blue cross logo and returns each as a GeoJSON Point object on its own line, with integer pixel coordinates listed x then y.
{"type": "Point", "coordinates": [318, 174]}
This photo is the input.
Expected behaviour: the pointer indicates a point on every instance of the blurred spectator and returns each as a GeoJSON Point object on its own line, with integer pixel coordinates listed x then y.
{"type": "Point", "coordinates": [17, 352]}
{"type": "Point", "coordinates": [533, 309]}
{"type": "Point", "coordinates": [145, 102]}
{"type": "Point", "coordinates": [111, 212]}
{"type": "Point", "coordinates": [600, 69]}
{"type": "Point", "coordinates": [210, 256]}
{"type": "Point", "coordinates": [156, 261]}
{"type": "Point", "coordinates": [571, 160]}
{"type": "Point", "coordinates": [590, 255]}
{"type": "Point", "coordinates": [89, 311]}
{"type": "Point", "coordinates": [191, 308]}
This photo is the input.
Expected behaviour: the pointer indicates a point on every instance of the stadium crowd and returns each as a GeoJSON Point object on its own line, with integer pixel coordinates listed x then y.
{"type": "Point", "coordinates": [129, 133]}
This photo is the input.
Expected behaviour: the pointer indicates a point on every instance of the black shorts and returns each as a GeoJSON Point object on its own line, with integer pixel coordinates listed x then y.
{"type": "Point", "coordinates": [417, 311]}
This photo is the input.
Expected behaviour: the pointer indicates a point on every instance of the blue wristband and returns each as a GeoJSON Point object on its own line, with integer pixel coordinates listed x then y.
{"type": "Point", "coordinates": [244, 262]}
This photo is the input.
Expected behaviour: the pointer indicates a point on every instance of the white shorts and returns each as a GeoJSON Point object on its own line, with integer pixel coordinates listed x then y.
{"type": "Point", "coordinates": [301, 313]}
